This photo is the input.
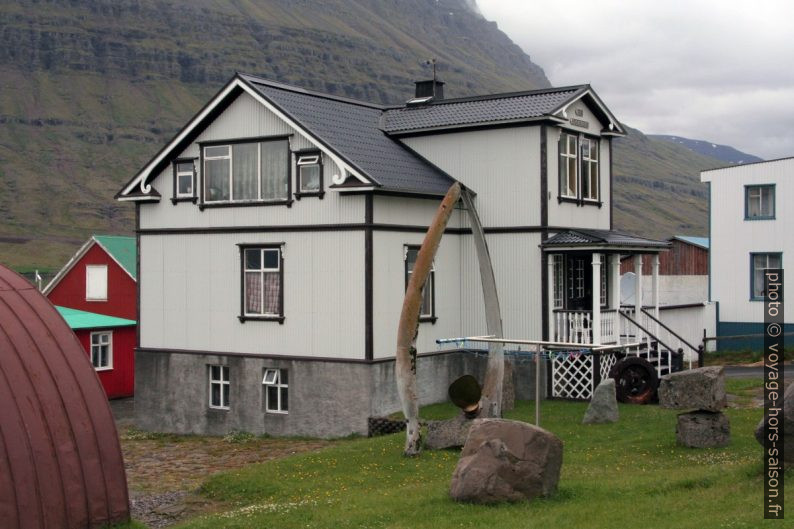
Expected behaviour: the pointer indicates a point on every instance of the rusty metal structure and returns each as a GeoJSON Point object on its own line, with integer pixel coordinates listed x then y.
{"type": "Point", "coordinates": [60, 459]}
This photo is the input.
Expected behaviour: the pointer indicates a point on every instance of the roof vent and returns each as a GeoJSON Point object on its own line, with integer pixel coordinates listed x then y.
{"type": "Point", "coordinates": [432, 88]}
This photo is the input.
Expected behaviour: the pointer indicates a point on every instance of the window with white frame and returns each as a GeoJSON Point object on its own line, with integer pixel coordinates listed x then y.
{"type": "Point", "coordinates": [96, 283]}
{"type": "Point", "coordinates": [246, 172]}
{"type": "Point", "coordinates": [759, 202]}
{"type": "Point", "coordinates": [219, 387]}
{"type": "Point", "coordinates": [309, 173]}
{"type": "Point", "coordinates": [589, 169]}
{"type": "Point", "coordinates": [559, 281]}
{"type": "Point", "coordinates": [758, 263]}
{"type": "Point", "coordinates": [276, 384]}
{"type": "Point", "coordinates": [102, 350]}
{"type": "Point", "coordinates": [263, 277]}
{"type": "Point", "coordinates": [578, 167]}
{"type": "Point", "coordinates": [569, 165]}
{"type": "Point", "coordinates": [184, 179]}
{"type": "Point", "coordinates": [427, 312]}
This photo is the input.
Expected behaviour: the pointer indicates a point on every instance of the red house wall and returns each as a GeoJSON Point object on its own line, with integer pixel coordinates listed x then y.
{"type": "Point", "coordinates": [681, 259]}
{"type": "Point", "coordinates": [122, 297]}
{"type": "Point", "coordinates": [119, 381]}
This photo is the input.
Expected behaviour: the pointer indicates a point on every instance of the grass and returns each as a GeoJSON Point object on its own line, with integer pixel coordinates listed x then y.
{"type": "Point", "coordinates": [616, 475]}
{"type": "Point", "coordinates": [745, 356]}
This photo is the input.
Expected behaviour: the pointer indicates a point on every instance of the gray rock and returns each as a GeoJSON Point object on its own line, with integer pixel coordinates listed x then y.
{"type": "Point", "coordinates": [508, 387]}
{"type": "Point", "coordinates": [450, 433]}
{"type": "Point", "coordinates": [603, 406]}
{"type": "Point", "coordinates": [703, 429]}
{"type": "Point", "coordinates": [506, 461]}
{"type": "Point", "coordinates": [699, 389]}
{"type": "Point", "coordinates": [785, 426]}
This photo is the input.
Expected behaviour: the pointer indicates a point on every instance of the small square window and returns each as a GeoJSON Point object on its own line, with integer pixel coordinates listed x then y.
{"type": "Point", "coordinates": [759, 202]}
{"type": "Point", "coordinates": [96, 283]}
{"type": "Point", "coordinates": [276, 386]}
{"type": "Point", "coordinates": [309, 174]}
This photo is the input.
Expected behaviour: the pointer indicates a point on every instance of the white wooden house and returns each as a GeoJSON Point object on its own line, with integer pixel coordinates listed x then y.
{"type": "Point", "coordinates": [750, 229]}
{"type": "Point", "coordinates": [278, 228]}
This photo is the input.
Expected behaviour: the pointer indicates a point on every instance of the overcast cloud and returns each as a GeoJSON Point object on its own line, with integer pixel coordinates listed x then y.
{"type": "Point", "coordinates": [721, 71]}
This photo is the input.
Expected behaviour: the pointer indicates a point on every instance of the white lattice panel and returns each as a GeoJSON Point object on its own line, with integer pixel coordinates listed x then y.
{"type": "Point", "coordinates": [572, 376]}
{"type": "Point", "coordinates": [607, 361]}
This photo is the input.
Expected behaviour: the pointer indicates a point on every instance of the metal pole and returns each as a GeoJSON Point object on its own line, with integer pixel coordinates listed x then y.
{"type": "Point", "coordinates": [537, 385]}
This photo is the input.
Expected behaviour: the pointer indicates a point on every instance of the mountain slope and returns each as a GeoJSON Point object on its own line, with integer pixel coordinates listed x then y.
{"type": "Point", "coordinates": [724, 153]}
{"type": "Point", "coordinates": [90, 89]}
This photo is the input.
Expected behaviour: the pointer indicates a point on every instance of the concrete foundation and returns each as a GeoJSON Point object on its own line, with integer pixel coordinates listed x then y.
{"type": "Point", "coordinates": [326, 398]}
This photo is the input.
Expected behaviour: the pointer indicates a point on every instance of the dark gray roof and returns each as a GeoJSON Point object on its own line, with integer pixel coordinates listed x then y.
{"type": "Point", "coordinates": [478, 110]}
{"type": "Point", "coordinates": [350, 129]}
{"type": "Point", "coordinates": [614, 238]}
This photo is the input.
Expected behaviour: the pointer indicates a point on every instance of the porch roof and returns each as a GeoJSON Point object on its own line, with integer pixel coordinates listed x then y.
{"type": "Point", "coordinates": [604, 240]}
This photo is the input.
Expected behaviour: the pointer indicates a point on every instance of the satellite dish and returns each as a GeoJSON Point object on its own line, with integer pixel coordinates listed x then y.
{"type": "Point", "coordinates": [465, 393]}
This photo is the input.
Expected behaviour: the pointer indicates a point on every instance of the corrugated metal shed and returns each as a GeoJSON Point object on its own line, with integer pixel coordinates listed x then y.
{"type": "Point", "coordinates": [60, 460]}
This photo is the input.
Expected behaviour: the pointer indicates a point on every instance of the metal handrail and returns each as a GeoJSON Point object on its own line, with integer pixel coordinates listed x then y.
{"type": "Point", "coordinates": [668, 329]}
{"type": "Point", "coordinates": [649, 333]}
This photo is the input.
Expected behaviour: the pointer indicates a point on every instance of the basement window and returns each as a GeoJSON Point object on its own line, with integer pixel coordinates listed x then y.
{"type": "Point", "coordinates": [276, 383]}
{"type": "Point", "coordinates": [219, 387]}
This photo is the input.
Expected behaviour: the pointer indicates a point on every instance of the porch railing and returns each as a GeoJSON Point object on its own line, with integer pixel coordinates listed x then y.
{"type": "Point", "coordinates": [576, 326]}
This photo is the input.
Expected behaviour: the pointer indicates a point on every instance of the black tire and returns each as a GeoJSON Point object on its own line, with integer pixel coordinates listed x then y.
{"type": "Point", "coordinates": [635, 380]}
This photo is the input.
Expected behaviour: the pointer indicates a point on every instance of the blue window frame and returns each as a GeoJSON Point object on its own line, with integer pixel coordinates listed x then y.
{"type": "Point", "coordinates": [758, 263]}
{"type": "Point", "coordinates": [759, 202]}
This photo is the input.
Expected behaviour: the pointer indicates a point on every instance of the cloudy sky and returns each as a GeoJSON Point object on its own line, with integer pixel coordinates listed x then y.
{"type": "Point", "coordinates": [721, 71]}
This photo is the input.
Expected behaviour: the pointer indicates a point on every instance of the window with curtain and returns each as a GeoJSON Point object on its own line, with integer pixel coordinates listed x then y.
{"type": "Point", "coordinates": [246, 172]}
{"type": "Point", "coordinates": [427, 310]}
{"type": "Point", "coordinates": [262, 282]}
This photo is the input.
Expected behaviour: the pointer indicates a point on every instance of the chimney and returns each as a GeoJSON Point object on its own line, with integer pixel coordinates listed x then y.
{"type": "Point", "coordinates": [425, 89]}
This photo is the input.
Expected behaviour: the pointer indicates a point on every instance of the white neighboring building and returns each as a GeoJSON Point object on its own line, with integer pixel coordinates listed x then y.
{"type": "Point", "coordinates": [751, 229]}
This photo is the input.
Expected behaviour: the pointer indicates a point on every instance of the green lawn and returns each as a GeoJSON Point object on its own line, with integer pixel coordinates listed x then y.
{"type": "Point", "coordinates": [625, 475]}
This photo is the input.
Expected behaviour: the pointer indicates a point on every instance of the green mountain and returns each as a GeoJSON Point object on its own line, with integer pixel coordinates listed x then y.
{"type": "Point", "coordinates": [724, 153]}
{"type": "Point", "coordinates": [91, 89]}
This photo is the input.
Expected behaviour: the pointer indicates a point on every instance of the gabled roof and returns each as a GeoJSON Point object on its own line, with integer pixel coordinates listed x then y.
{"type": "Point", "coordinates": [351, 129]}
{"type": "Point", "coordinates": [80, 319]}
{"type": "Point", "coordinates": [121, 249]}
{"type": "Point", "coordinates": [581, 238]}
{"type": "Point", "coordinates": [496, 109]}
{"type": "Point", "coordinates": [702, 242]}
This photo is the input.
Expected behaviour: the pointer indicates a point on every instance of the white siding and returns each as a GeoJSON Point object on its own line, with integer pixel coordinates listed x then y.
{"type": "Point", "coordinates": [501, 165]}
{"type": "Point", "coordinates": [417, 212]}
{"type": "Point", "coordinates": [733, 238]}
{"type": "Point", "coordinates": [190, 295]}
{"type": "Point", "coordinates": [247, 118]}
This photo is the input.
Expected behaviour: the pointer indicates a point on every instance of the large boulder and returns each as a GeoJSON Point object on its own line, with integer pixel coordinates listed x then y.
{"type": "Point", "coordinates": [703, 429]}
{"type": "Point", "coordinates": [506, 461]}
{"type": "Point", "coordinates": [785, 426]}
{"type": "Point", "coordinates": [450, 433]}
{"type": "Point", "coordinates": [699, 389]}
{"type": "Point", "coordinates": [604, 404]}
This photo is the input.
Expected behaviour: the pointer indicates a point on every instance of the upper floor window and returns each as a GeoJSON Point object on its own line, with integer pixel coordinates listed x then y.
{"type": "Point", "coordinates": [759, 202]}
{"type": "Point", "coordinates": [96, 283]}
{"type": "Point", "coordinates": [309, 174]}
{"type": "Point", "coordinates": [263, 280]}
{"type": "Point", "coordinates": [427, 312]}
{"type": "Point", "coordinates": [184, 180]}
{"type": "Point", "coordinates": [758, 263]}
{"type": "Point", "coordinates": [246, 172]}
{"type": "Point", "coordinates": [579, 167]}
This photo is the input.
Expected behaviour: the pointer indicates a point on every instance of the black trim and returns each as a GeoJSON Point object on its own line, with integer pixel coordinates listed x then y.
{"type": "Point", "coordinates": [369, 217]}
{"type": "Point", "coordinates": [320, 162]}
{"type": "Point", "coordinates": [137, 274]}
{"type": "Point", "coordinates": [251, 139]}
{"type": "Point", "coordinates": [248, 203]}
{"type": "Point", "coordinates": [611, 188]}
{"type": "Point", "coordinates": [432, 318]}
{"type": "Point", "coordinates": [281, 357]}
{"type": "Point", "coordinates": [341, 227]}
{"type": "Point", "coordinates": [174, 198]}
{"type": "Point", "coordinates": [387, 193]}
{"type": "Point", "coordinates": [473, 127]}
{"type": "Point", "coordinates": [242, 317]}
{"type": "Point", "coordinates": [544, 221]}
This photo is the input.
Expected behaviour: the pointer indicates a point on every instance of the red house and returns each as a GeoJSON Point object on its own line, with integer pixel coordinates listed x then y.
{"type": "Point", "coordinates": [96, 293]}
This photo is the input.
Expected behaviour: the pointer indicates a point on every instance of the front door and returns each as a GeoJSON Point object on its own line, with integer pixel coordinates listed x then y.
{"type": "Point", "coordinates": [578, 282]}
